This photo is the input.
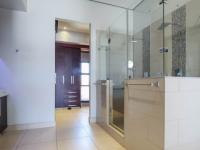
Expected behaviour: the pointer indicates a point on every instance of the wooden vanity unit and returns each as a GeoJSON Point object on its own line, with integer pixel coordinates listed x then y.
{"type": "Point", "coordinates": [3, 111]}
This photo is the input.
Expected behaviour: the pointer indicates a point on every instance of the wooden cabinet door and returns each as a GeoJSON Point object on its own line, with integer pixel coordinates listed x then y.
{"type": "Point", "coordinates": [68, 76]}
{"type": "Point", "coordinates": [3, 112]}
{"type": "Point", "coordinates": [73, 90]}
{"type": "Point", "coordinates": [60, 73]}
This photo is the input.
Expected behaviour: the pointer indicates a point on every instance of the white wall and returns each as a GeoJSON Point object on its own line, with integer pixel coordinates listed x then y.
{"type": "Point", "coordinates": [28, 76]}
{"type": "Point", "coordinates": [74, 37]}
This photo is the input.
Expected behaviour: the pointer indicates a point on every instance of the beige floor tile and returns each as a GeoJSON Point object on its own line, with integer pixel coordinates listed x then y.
{"type": "Point", "coordinates": [77, 144]}
{"type": "Point", "coordinates": [39, 146]}
{"type": "Point", "coordinates": [38, 136]}
{"type": "Point", "coordinates": [9, 140]}
{"type": "Point", "coordinates": [95, 129]}
{"type": "Point", "coordinates": [69, 124]}
{"type": "Point", "coordinates": [106, 142]}
{"type": "Point", "coordinates": [71, 133]}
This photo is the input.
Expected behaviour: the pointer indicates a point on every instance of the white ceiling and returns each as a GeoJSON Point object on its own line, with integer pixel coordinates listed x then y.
{"type": "Point", "coordinates": [14, 4]}
{"type": "Point", "coordinates": [123, 3]}
{"type": "Point", "coordinates": [73, 26]}
{"type": "Point", "coordinates": [146, 6]}
{"type": "Point", "coordinates": [149, 6]}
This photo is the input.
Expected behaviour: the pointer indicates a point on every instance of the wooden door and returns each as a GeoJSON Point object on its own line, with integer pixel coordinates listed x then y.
{"type": "Point", "coordinates": [67, 76]}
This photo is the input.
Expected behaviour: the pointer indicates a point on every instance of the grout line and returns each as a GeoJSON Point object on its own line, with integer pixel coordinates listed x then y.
{"type": "Point", "coordinates": [96, 146]}
{"type": "Point", "coordinates": [56, 132]}
{"type": "Point", "coordinates": [20, 139]}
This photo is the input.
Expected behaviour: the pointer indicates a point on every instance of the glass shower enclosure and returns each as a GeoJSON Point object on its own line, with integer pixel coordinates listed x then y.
{"type": "Point", "coordinates": [156, 38]}
{"type": "Point", "coordinates": [118, 72]}
{"type": "Point", "coordinates": [130, 39]}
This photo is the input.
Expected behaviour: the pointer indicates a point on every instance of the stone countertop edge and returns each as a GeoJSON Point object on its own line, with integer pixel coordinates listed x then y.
{"type": "Point", "coordinates": [2, 93]}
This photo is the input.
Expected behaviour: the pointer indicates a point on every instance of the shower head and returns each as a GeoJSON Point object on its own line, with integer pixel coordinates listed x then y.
{"type": "Point", "coordinates": [164, 25]}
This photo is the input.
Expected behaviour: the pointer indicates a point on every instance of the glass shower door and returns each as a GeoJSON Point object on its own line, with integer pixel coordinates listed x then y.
{"type": "Point", "coordinates": [118, 65]}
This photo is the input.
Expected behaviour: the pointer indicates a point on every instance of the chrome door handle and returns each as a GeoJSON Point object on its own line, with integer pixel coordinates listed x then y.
{"type": "Point", "coordinates": [63, 79]}
{"type": "Point", "coordinates": [71, 80]}
{"type": "Point", "coordinates": [70, 96]}
{"type": "Point", "coordinates": [71, 92]}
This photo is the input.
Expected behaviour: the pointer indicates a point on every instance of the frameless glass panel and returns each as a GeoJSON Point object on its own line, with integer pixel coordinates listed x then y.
{"type": "Point", "coordinates": [130, 46]}
{"type": "Point", "coordinates": [168, 45]}
{"type": "Point", "coordinates": [182, 38]}
{"type": "Point", "coordinates": [102, 55]}
{"type": "Point", "coordinates": [85, 93]}
{"type": "Point", "coordinates": [147, 39]}
{"type": "Point", "coordinates": [192, 44]}
{"type": "Point", "coordinates": [118, 70]}
{"type": "Point", "coordinates": [85, 68]}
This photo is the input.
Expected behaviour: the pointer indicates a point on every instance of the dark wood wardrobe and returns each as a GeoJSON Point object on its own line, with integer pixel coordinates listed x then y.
{"type": "Point", "coordinates": [67, 64]}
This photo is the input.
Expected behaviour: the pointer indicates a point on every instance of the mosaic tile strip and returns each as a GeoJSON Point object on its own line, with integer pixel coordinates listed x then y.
{"type": "Point", "coordinates": [179, 41]}
{"type": "Point", "coordinates": [146, 50]}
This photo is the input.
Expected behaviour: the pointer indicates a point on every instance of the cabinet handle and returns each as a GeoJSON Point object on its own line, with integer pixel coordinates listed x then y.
{"type": "Point", "coordinates": [152, 84]}
{"type": "Point", "coordinates": [63, 79]}
{"type": "Point", "coordinates": [71, 80]}
{"type": "Point", "coordinates": [72, 96]}
{"type": "Point", "coordinates": [71, 92]}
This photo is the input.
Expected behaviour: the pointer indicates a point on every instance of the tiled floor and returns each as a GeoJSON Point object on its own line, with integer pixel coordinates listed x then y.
{"type": "Point", "coordinates": [72, 132]}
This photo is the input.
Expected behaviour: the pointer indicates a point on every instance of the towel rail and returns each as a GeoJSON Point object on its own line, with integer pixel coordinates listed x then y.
{"type": "Point", "coordinates": [152, 84]}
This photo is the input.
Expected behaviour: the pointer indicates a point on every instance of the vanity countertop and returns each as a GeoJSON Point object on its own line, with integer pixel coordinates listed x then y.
{"type": "Point", "coordinates": [3, 93]}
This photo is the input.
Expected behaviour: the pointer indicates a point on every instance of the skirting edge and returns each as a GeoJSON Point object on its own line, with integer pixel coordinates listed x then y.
{"type": "Point", "coordinates": [30, 126]}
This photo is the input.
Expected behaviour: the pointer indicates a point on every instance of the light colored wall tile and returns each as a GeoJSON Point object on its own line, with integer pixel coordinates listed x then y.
{"type": "Point", "coordinates": [144, 115]}
{"type": "Point", "coordinates": [171, 134]}
{"type": "Point", "coordinates": [182, 109]}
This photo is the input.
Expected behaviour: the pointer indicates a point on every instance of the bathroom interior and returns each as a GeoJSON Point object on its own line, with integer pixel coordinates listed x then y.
{"type": "Point", "coordinates": [149, 76]}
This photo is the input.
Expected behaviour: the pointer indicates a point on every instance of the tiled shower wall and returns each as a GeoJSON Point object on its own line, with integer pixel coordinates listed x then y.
{"type": "Point", "coordinates": [179, 40]}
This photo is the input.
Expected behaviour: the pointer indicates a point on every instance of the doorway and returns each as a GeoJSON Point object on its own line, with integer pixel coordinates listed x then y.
{"type": "Point", "coordinates": [72, 65]}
